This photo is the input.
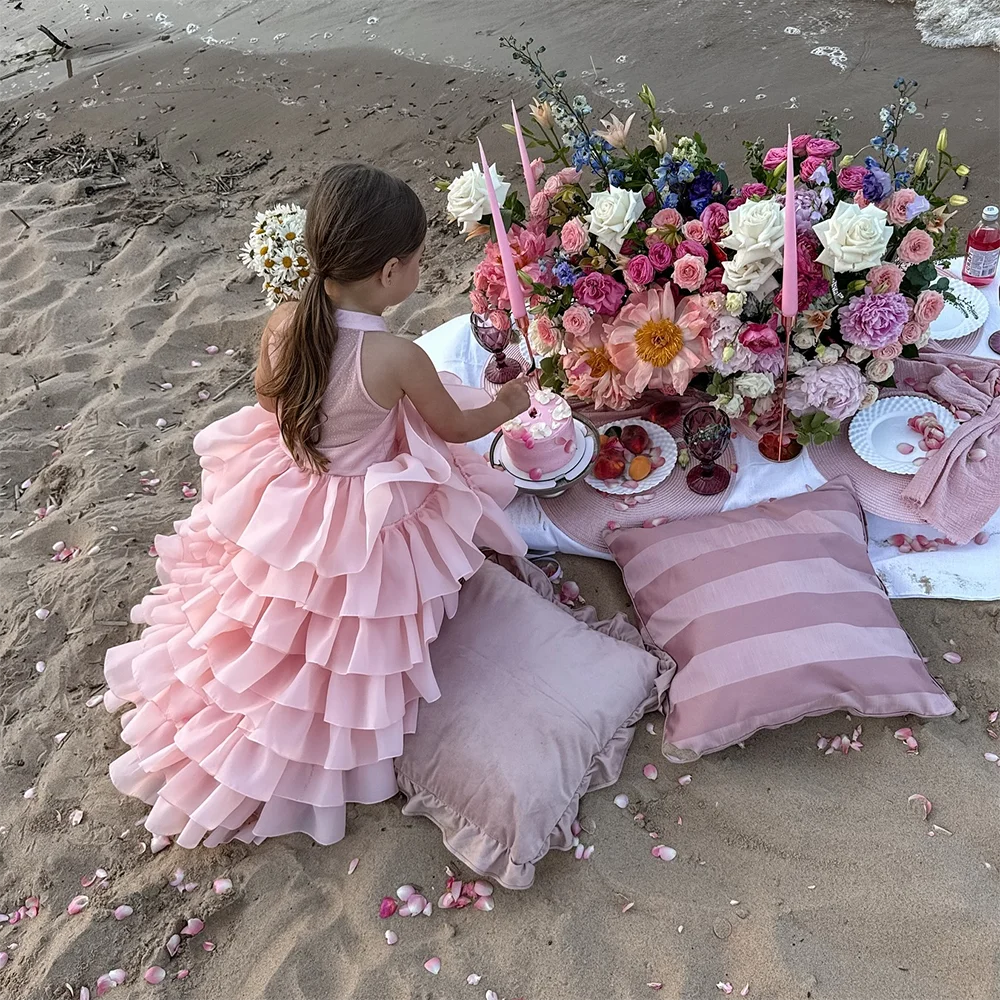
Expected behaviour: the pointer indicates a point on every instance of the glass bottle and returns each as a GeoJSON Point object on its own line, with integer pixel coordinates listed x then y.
{"type": "Point", "coordinates": [982, 250]}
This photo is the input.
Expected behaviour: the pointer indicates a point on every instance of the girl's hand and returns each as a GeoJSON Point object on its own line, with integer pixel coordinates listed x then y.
{"type": "Point", "coordinates": [514, 396]}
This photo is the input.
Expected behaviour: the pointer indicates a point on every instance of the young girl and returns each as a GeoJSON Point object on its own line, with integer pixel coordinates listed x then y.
{"type": "Point", "coordinates": [286, 647]}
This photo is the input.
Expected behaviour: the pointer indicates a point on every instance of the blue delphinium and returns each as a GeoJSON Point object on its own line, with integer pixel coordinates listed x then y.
{"type": "Point", "coordinates": [565, 274]}
{"type": "Point", "coordinates": [616, 178]}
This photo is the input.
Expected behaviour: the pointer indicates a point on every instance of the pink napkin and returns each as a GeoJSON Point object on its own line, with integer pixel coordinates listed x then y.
{"type": "Point", "coordinates": [952, 490]}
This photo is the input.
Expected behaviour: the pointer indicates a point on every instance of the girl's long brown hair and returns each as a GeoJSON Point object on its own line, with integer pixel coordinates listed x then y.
{"type": "Point", "coordinates": [357, 220]}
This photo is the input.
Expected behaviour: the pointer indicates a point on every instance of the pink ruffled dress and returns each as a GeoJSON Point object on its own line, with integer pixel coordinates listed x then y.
{"type": "Point", "coordinates": [286, 647]}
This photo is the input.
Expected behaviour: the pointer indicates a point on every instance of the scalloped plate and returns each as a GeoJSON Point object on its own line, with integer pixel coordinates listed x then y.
{"type": "Point", "coordinates": [953, 321]}
{"type": "Point", "coordinates": [875, 432]}
{"type": "Point", "coordinates": [659, 438]}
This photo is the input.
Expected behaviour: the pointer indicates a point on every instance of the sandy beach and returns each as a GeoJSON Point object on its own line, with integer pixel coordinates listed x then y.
{"type": "Point", "coordinates": [126, 192]}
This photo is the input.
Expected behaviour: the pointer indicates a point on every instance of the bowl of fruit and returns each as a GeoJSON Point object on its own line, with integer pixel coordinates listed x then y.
{"type": "Point", "coordinates": [634, 457]}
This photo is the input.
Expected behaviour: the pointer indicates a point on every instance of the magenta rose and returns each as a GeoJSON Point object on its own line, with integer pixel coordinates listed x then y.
{"type": "Point", "coordinates": [916, 247]}
{"type": "Point", "coordinates": [888, 353]}
{"type": "Point", "coordinates": [694, 230]}
{"type": "Point", "coordinates": [800, 145]}
{"type": "Point", "coordinates": [885, 278]}
{"type": "Point", "coordinates": [640, 270]}
{"type": "Point", "coordinates": [599, 292]}
{"type": "Point", "coordinates": [577, 321]}
{"type": "Point", "coordinates": [810, 165]}
{"type": "Point", "coordinates": [714, 218]}
{"type": "Point", "coordinates": [691, 247]}
{"type": "Point", "coordinates": [668, 218]}
{"type": "Point", "coordinates": [754, 190]}
{"type": "Point", "coordinates": [896, 209]}
{"type": "Point", "coordinates": [759, 338]}
{"type": "Point", "coordinates": [928, 308]}
{"type": "Point", "coordinates": [689, 272]}
{"type": "Point", "coordinates": [774, 156]}
{"type": "Point", "coordinates": [911, 333]}
{"type": "Point", "coordinates": [660, 256]}
{"type": "Point", "coordinates": [851, 178]}
{"type": "Point", "coordinates": [574, 236]}
{"type": "Point", "coordinates": [713, 281]}
{"type": "Point", "coordinates": [822, 147]}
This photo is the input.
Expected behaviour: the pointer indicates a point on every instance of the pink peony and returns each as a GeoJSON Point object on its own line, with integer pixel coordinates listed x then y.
{"type": "Point", "coordinates": [885, 278]}
{"type": "Point", "coordinates": [668, 218]}
{"type": "Point", "coordinates": [760, 337]}
{"type": "Point", "coordinates": [836, 390]}
{"type": "Point", "coordinates": [499, 319]}
{"type": "Point", "coordinates": [661, 256]}
{"type": "Point", "coordinates": [714, 218]}
{"type": "Point", "coordinates": [822, 147]}
{"type": "Point", "coordinates": [577, 322]}
{"type": "Point", "coordinates": [774, 156]}
{"type": "Point", "coordinates": [928, 308]}
{"type": "Point", "coordinates": [896, 209]}
{"type": "Point", "coordinates": [690, 246]}
{"type": "Point", "coordinates": [888, 353]}
{"type": "Point", "coordinates": [874, 320]}
{"type": "Point", "coordinates": [851, 178]}
{"type": "Point", "coordinates": [574, 236]}
{"type": "Point", "coordinates": [478, 301]}
{"type": "Point", "coordinates": [656, 342]}
{"type": "Point", "coordinates": [591, 374]}
{"type": "Point", "coordinates": [911, 333]}
{"type": "Point", "coordinates": [558, 181]}
{"type": "Point", "coordinates": [754, 190]}
{"type": "Point", "coordinates": [599, 292]}
{"type": "Point", "coordinates": [689, 272]}
{"type": "Point", "coordinates": [640, 270]}
{"type": "Point", "coordinates": [694, 230]}
{"type": "Point", "coordinates": [916, 247]}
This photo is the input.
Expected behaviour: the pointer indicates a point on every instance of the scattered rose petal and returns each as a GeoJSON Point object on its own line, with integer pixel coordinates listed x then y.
{"type": "Point", "coordinates": [481, 888]}
{"type": "Point", "coordinates": [104, 984]}
{"type": "Point", "coordinates": [663, 853]}
{"type": "Point", "coordinates": [194, 926]}
{"type": "Point", "coordinates": [575, 825]}
{"type": "Point", "coordinates": [208, 946]}
{"type": "Point", "coordinates": [95, 700]}
{"type": "Point", "coordinates": [351, 868]}
{"type": "Point", "coordinates": [473, 979]}
{"type": "Point", "coordinates": [154, 975]}
{"type": "Point", "coordinates": [433, 966]}
{"type": "Point", "coordinates": [649, 771]}
{"type": "Point", "coordinates": [182, 974]}
{"type": "Point", "coordinates": [991, 757]}
{"type": "Point", "coordinates": [117, 976]}
{"type": "Point", "coordinates": [4, 958]}
{"type": "Point", "coordinates": [650, 728]}
{"type": "Point", "coordinates": [161, 423]}
{"type": "Point", "coordinates": [77, 905]}
{"type": "Point", "coordinates": [391, 937]}
{"type": "Point", "coordinates": [387, 907]}
{"type": "Point", "coordinates": [158, 843]}
{"type": "Point", "coordinates": [621, 801]}
{"type": "Point", "coordinates": [221, 886]}
{"type": "Point", "coordinates": [726, 988]}
{"type": "Point", "coordinates": [655, 986]}
{"type": "Point", "coordinates": [588, 853]}
{"type": "Point", "coordinates": [404, 892]}
{"type": "Point", "coordinates": [903, 734]}
{"type": "Point", "coordinates": [684, 779]}
{"type": "Point", "coordinates": [188, 491]}
{"type": "Point", "coordinates": [42, 613]}
{"type": "Point", "coordinates": [920, 805]}
{"type": "Point", "coordinates": [484, 903]}
{"type": "Point", "coordinates": [173, 944]}
{"type": "Point", "coordinates": [124, 911]}
{"type": "Point", "coordinates": [578, 853]}
{"type": "Point", "coordinates": [211, 349]}
{"type": "Point", "coordinates": [29, 793]}
{"type": "Point", "coordinates": [627, 907]}
{"type": "Point", "coordinates": [952, 657]}
{"type": "Point", "coordinates": [904, 449]}
{"type": "Point", "coordinates": [745, 990]}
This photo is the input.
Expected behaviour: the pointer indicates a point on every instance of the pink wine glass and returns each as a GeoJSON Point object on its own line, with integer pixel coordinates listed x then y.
{"type": "Point", "coordinates": [501, 369]}
{"type": "Point", "coordinates": [706, 432]}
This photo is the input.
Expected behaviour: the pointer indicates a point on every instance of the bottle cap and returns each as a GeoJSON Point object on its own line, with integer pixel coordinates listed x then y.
{"type": "Point", "coordinates": [990, 213]}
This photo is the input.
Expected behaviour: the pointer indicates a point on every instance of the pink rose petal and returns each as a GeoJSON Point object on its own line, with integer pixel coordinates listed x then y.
{"type": "Point", "coordinates": [649, 771]}
{"type": "Point", "coordinates": [433, 966]}
{"type": "Point", "coordinates": [387, 907]}
{"type": "Point", "coordinates": [154, 975]}
{"type": "Point", "coordinates": [124, 911]}
{"type": "Point", "coordinates": [951, 657]}
{"type": "Point", "coordinates": [77, 905]}
{"type": "Point", "coordinates": [352, 867]}
{"type": "Point", "coordinates": [221, 886]}
{"type": "Point", "coordinates": [684, 779]}
{"type": "Point", "coordinates": [173, 945]}
{"type": "Point", "coordinates": [391, 937]}
{"type": "Point", "coordinates": [194, 926]}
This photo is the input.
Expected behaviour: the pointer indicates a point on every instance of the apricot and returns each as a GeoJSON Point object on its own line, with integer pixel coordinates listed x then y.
{"type": "Point", "coordinates": [639, 468]}
{"type": "Point", "coordinates": [609, 466]}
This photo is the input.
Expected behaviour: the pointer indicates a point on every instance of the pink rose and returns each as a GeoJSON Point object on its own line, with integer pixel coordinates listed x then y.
{"type": "Point", "coordinates": [499, 319]}
{"type": "Point", "coordinates": [810, 165]}
{"type": "Point", "coordinates": [689, 272]}
{"type": "Point", "coordinates": [800, 145]}
{"type": "Point", "coordinates": [574, 236]}
{"type": "Point", "coordinates": [545, 332]}
{"type": "Point", "coordinates": [916, 247]}
{"type": "Point", "coordinates": [774, 156]}
{"type": "Point", "coordinates": [599, 292]}
{"type": "Point", "coordinates": [538, 168]}
{"type": "Point", "coordinates": [890, 352]}
{"type": "Point", "coordinates": [714, 280]}
{"type": "Point", "coordinates": [539, 206]}
{"type": "Point", "coordinates": [577, 321]}
{"type": "Point", "coordinates": [714, 218]}
{"type": "Point", "coordinates": [911, 333]}
{"type": "Point", "coordinates": [898, 201]}
{"type": "Point", "coordinates": [668, 218]}
{"type": "Point", "coordinates": [640, 270]}
{"type": "Point", "coordinates": [558, 181]}
{"type": "Point", "coordinates": [690, 247]}
{"type": "Point", "coordinates": [735, 202]}
{"type": "Point", "coordinates": [928, 308]}
{"type": "Point", "coordinates": [860, 200]}
{"type": "Point", "coordinates": [754, 190]}
{"type": "Point", "coordinates": [661, 256]}
{"type": "Point", "coordinates": [851, 178]}
{"type": "Point", "coordinates": [821, 147]}
{"type": "Point", "coordinates": [759, 337]}
{"type": "Point", "coordinates": [478, 302]}
{"type": "Point", "coordinates": [885, 278]}
{"type": "Point", "coordinates": [694, 230]}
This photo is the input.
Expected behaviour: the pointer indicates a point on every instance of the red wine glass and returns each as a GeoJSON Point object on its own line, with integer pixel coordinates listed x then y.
{"type": "Point", "coordinates": [706, 433]}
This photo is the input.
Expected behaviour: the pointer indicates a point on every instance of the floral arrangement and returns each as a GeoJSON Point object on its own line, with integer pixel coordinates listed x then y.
{"type": "Point", "coordinates": [867, 234]}
{"type": "Point", "coordinates": [624, 277]}
{"type": "Point", "coordinates": [276, 252]}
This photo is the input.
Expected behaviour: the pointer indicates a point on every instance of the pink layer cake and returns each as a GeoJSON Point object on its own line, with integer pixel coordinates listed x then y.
{"type": "Point", "coordinates": [543, 438]}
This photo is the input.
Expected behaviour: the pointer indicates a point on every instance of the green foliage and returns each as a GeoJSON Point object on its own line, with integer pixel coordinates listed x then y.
{"type": "Point", "coordinates": [816, 428]}
{"type": "Point", "coordinates": [553, 375]}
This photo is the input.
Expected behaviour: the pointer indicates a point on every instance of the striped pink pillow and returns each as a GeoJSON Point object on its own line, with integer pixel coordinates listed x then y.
{"type": "Point", "coordinates": [772, 613]}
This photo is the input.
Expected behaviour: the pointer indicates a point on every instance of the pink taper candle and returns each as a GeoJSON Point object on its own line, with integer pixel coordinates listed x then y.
{"type": "Point", "coordinates": [529, 174]}
{"type": "Point", "coordinates": [790, 265]}
{"type": "Point", "coordinates": [517, 307]}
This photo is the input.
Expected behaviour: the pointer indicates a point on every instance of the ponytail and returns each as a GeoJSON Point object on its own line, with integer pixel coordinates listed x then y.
{"type": "Point", "coordinates": [301, 373]}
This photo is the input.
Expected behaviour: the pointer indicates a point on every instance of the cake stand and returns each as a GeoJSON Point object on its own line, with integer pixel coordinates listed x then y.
{"type": "Point", "coordinates": [588, 445]}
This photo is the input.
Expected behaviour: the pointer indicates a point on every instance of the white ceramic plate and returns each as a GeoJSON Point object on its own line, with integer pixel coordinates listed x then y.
{"type": "Point", "coordinates": [953, 321]}
{"type": "Point", "coordinates": [658, 438]}
{"type": "Point", "coordinates": [582, 457]}
{"type": "Point", "coordinates": [876, 431]}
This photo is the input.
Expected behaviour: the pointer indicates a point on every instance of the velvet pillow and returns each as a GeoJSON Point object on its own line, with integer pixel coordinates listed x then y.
{"type": "Point", "coordinates": [772, 614]}
{"type": "Point", "coordinates": [538, 706]}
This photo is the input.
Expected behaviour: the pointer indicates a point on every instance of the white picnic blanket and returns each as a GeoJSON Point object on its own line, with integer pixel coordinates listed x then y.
{"type": "Point", "coordinates": [968, 573]}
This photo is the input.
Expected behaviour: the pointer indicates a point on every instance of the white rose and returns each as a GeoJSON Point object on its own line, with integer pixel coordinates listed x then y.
{"type": "Point", "coordinates": [871, 394]}
{"type": "Point", "coordinates": [468, 202]}
{"type": "Point", "coordinates": [830, 354]}
{"type": "Point", "coordinates": [795, 361]}
{"type": "Point", "coordinates": [853, 238]}
{"type": "Point", "coordinates": [745, 273]}
{"type": "Point", "coordinates": [856, 354]}
{"type": "Point", "coordinates": [733, 407]}
{"type": "Point", "coordinates": [805, 339]}
{"type": "Point", "coordinates": [615, 212]}
{"type": "Point", "coordinates": [757, 229]}
{"type": "Point", "coordinates": [735, 301]}
{"type": "Point", "coordinates": [923, 340]}
{"type": "Point", "coordinates": [878, 370]}
{"type": "Point", "coordinates": [754, 384]}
